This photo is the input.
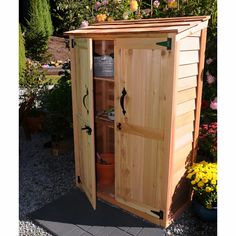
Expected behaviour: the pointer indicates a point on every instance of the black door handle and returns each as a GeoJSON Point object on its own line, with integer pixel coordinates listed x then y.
{"type": "Point", "coordinates": [84, 97]}
{"type": "Point", "coordinates": [88, 129]}
{"type": "Point", "coordinates": [122, 99]}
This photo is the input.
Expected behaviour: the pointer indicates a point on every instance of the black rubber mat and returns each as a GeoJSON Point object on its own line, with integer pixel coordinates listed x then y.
{"type": "Point", "coordinates": [75, 209]}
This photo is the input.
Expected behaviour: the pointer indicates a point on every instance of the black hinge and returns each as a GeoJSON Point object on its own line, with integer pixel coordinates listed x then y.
{"type": "Point", "coordinates": [159, 213]}
{"type": "Point", "coordinates": [73, 43]}
{"type": "Point", "coordinates": [166, 44]}
{"type": "Point", "coordinates": [78, 179]}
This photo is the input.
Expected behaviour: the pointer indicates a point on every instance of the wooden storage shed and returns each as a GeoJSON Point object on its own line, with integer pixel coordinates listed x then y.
{"type": "Point", "coordinates": [155, 89]}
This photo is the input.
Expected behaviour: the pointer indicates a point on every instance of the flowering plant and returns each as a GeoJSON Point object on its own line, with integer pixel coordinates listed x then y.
{"type": "Point", "coordinates": [203, 179]}
{"type": "Point", "coordinates": [111, 10]}
{"type": "Point", "coordinates": [208, 141]}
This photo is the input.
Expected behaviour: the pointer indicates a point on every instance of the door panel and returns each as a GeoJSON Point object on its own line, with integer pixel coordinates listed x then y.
{"type": "Point", "coordinates": [85, 117]}
{"type": "Point", "coordinates": [140, 136]}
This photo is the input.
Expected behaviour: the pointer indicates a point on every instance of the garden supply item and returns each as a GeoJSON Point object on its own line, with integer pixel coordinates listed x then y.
{"type": "Point", "coordinates": [203, 179]}
{"type": "Point", "coordinates": [105, 168]}
{"type": "Point", "coordinates": [103, 66]}
{"type": "Point", "coordinates": [204, 214]}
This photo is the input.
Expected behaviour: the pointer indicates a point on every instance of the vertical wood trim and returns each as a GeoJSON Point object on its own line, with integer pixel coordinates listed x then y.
{"type": "Point", "coordinates": [91, 120]}
{"type": "Point", "coordinates": [117, 116]}
{"type": "Point", "coordinates": [169, 139]}
{"type": "Point", "coordinates": [75, 110]}
{"type": "Point", "coordinates": [199, 91]}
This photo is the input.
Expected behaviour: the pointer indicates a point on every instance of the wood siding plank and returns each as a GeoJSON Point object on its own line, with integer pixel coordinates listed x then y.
{"type": "Point", "coordinates": [190, 43]}
{"type": "Point", "coordinates": [188, 70]}
{"type": "Point", "coordinates": [188, 57]}
{"type": "Point", "coordinates": [186, 83]}
{"type": "Point", "coordinates": [185, 95]}
{"type": "Point", "coordinates": [185, 107]}
{"type": "Point", "coordinates": [199, 91]}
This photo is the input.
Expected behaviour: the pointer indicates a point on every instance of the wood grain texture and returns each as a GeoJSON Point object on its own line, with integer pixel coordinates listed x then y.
{"type": "Point", "coordinates": [184, 118]}
{"type": "Point", "coordinates": [188, 57]}
{"type": "Point", "coordinates": [199, 91]}
{"type": "Point", "coordinates": [193, 24]}
{"type": "Point", "coordinates": [85, 116]}
{"type": "Point", "coordinates": [185, 95]}
{"type": "Point", "coordinates": [190, 43]}
{"type": "Point", "coordinates": [75, 110]}
{"type": "Point", "coordinates": [188, 70]}
{"type": "Point", "coordinates": [192, 30]}
{"type": "Point", "coordinates": [186, 83]}
{"type": "Point", "coordinates": [185, 107]}
{"type": "Point", "coordinates": [138, 71]}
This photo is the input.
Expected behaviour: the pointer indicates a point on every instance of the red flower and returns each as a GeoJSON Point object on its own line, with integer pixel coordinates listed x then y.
{"type": "Point", "coordinates": [205, 104]}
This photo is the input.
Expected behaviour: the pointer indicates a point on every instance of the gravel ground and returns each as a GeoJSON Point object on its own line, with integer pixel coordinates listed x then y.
{"type": "Point", "coordinates": [44, 178]}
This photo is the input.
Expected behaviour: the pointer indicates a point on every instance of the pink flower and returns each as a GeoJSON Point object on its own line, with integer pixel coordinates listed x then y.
{"type": "Point", "coordinates": [97, 5]}
{"type": "Point", "coordinates": [156, 3]}
{"type": "Point", "coordinates": [84, 24]}
{"type": "Point", "coordinates": [105, 2]}
{"type": "Point", "coordinates": [210, 78]}
{"type": "Point", "coordinates": [213, 104]}
{"type": "Point", "coordinates": [209, 61]}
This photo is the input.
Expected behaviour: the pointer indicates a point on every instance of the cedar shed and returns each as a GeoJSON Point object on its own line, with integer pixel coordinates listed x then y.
{"type": "Point", "coordinates": [149, 72]}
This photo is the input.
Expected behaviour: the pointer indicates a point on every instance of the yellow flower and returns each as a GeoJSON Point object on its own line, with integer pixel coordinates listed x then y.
{"type": "Point", "coordinates": [204, 180]}
{"type": "Point", "coordinates": [200, 184]}
{"type": "Point", "coordinates": [193, 182]}
{"type": "Point", "coordinates": [101, 17]}
{"type": "Point", "coordinates": [213, 182]}
{"type": "Point", "coordinates": [110, 19]}
{"type": "Point", "coordinates": [133, 6]}
{"type": "Point", "coordinates": [172, 4]}
{"type": "Point", "coordinates": [189, 176]}
{"type": "Point", "coordinates": [208, 189]}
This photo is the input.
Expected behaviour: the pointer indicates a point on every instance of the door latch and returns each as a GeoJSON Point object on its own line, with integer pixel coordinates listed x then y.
{"type": "Point", "coordinates": [88, 129]}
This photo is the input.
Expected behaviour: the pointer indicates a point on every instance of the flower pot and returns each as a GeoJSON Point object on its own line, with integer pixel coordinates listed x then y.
{"type": "Point", "coordinates": [204, 214]}
{"type": "Point", "coordinates": [105, 171]}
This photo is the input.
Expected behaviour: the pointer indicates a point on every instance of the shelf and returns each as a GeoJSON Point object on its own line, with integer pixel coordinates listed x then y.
{"type": "Point", "coordinates": [104, 118]}
{"type": "Point", "coordinates": [109, 79]}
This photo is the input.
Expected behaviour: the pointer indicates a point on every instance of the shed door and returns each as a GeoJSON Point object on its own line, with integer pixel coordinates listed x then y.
{"type": "Point", "coordinates": [85, 118]}
{"type": "Point", "coordinates": [140, 119]}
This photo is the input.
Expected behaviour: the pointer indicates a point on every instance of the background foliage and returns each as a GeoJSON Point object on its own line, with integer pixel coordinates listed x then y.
{"type": "Point", "coordinates": [22, 63]}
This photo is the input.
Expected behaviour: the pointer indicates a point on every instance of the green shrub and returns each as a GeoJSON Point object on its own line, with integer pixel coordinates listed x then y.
{"type": "Point", "coordinates": [39, 28]}
{"type": "Point", "coordinates": [22, 64]}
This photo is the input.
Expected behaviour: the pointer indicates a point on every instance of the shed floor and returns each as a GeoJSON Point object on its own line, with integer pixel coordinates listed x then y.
{"type": "Point", "coordinates": [72, 215]}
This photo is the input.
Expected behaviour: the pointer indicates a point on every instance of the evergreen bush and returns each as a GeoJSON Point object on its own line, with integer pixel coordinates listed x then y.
{"type": "Point", "coordinates": [22, 64]}
{"type": "Point", "coordinates": [39, 28]}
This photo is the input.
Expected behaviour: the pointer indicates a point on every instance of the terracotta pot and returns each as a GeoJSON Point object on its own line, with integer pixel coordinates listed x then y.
{"type": "Point", "coordinates": [106, 172]}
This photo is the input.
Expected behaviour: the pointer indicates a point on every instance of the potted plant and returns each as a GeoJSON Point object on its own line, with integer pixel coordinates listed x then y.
{"type": "Point", "coordinates": [105, 169]}
{"type": "Point", "coordinates": [203, 179]}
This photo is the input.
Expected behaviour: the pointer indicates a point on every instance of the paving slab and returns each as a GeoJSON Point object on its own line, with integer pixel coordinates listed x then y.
{"type": "Point", "coordinates": [118, 232]}
{"type": "Point", "coordinates": [151, 232]}
{"type": "Point", "coordinates": [72, 214]}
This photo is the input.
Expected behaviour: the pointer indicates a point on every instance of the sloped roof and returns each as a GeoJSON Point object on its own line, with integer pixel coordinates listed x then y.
{"type": "Point", "coordinates": [162, 25]}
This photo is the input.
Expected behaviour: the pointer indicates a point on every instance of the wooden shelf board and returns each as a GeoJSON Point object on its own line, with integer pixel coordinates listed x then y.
{"type": "Point", "coordinates": [104, 118]}
{"type": "Point", "coordinates": [108, 79]}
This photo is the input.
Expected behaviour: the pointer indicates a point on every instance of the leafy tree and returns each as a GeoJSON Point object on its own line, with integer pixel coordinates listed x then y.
{"type": "Point", "coordinates": [22, 64]}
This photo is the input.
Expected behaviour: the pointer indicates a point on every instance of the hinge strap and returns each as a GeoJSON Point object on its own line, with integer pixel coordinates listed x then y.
{"type": "Point", "coordinates": [159, 213]}
{"type": "Point", "coordinates": [166, 44]}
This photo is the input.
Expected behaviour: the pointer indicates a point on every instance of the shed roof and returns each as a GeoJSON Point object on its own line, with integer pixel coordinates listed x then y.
{"type": "Point", "coordinates": [162, 25]}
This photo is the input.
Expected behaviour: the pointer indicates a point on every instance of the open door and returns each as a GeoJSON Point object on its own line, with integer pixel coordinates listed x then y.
{"type": "Point", "coordinates": [83, 118]}
{"type": "Point", "coordinates": [141, 70]}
